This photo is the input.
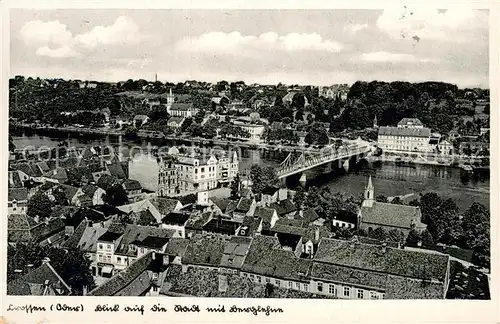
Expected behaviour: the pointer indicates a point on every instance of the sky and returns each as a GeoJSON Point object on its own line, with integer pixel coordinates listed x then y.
{"type": "Point", "coordinates": [315, 47]}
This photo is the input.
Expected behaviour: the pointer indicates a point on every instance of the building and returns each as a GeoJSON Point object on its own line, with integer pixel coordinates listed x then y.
{"type": "Point", "coordinates": [185, 110]}
{"type": "Point", "coordinates": [140, 120]}
{"type": "Point", "coordinates": [133, 189]}
{"type": "Point", "coordinates": [445, 147]}
{"type": "Point", "coordinates": [255, 129]}
{"type": "Point", "coordinates": [175, 122]}
{"type": "Point", "coordinates": [373, 214]}
{"type": "Point", "coordinates": [409, 136]}
{"type": "Point", "coordinates": [354, 270]}
{"type": "Point", "coordinates": [181, 174]}
{"type": "Point", "coordinates": [176, 221]}
{"type": "Point", "coordinates": [345, 219]}
{"type": "Point", "coordinates": [17, 201]}
{"type": "Point", "coordinates": [42, 281]}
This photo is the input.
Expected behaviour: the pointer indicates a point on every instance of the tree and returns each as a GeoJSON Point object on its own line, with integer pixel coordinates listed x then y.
{"type": "Point", "coordinates": [381, 198]}
{"type": "Point", "coordinates": [39, 205]}
{"type": "Point", "coordinates": [262, 177]}
{"type": "Point", "coordinates": [116, 196]}
{"type": "Point", "coordinates": [395, 235]}
{"type": "Point", "coordinates": [235, 186]}
{"type": "Point", "coordinates": [476, 232]}
{"type": "Point", "coordinates": [299, 196]}
{"type": "Point", "coordinates": [427, 240]}
{"type": "Point", "coordinates": [378, 234]}
{"type": "Point", "coordinates": [60, 196]}
{"type": "Point", "coordinates": [397, 201]}
{"type": "Point", "coordinates": [299, 115]}
{"type": "Point", "coordinates": [486, 109]}
{"type": "Point", "coordinates": [413, 238]}
{"type": "Point", "coordinates": [72, 264]}
{"type": "Point", "coordinates": [186, 123]}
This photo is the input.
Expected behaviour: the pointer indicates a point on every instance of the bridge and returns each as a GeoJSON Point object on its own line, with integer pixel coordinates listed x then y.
{"type": "Point", "coordinates": [307, 161]}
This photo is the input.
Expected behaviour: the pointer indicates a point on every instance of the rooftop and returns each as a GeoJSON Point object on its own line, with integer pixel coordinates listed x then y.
{"type": "Point", "coordinates": [204, 250]}
{"type": "Point", "coordinates": [154, 242]}
{"type": "Point", "coordinates": [176, 218]}
{"type": "Point", "coordinates": [388, 214]}
{"type": "Point", "coordinates": [400, 131]}
{"type": "Point", "coordinates": [109, 237]}
{"type": "Point", "coordinates": [33, 283]}
{"type": "Point", "coordinates": [235, 252]}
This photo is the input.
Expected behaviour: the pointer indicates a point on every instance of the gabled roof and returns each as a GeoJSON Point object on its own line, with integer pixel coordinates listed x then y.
{"type": "Point", "coordinates": [130, 184]}
{"type": "Point", "coordinates": [399, 262]}
{"type": "Point", "coordinates": [252, 225]}
{"type": "Point", "coordinates": [204, 250]}
{"type": "Point", "coordinates": [88, 240]}
{"type": "Point", "coordinates": [244, 205]}
{"type": "Point", "coordinates": [154, 242]}
{"type": "Point", "coordinates": [265, 257]}
{"type": "Point", "coordinates": [346, 216]}
{"type": "Point", "coordinates": [309, 215]}
{"type": "Point", "coordinates": [90, 190]}
{"type": "Point", "coordinates": [401, 131]}
{"type": "Point", "coordinates": [391, 215]}
{"type": "Point", "coordinates": [68, 190]}
{"type": "Point", "coordinates": [181, 106]}
{"type": "Point", "coordinates": [79, 174]}
{"type": "Point", "coordinates": [222, 203]}
{"type": "Point", "coordinates": [74, 239]}
{"type": "Point", "coordinates": [133, 233]}
{"type": "Point", "coordinates": [410, 121]}
{"type": "Point", "coordinates": [32, 283]}
{"type": "Point", "coordinates": [222, 226]}
{"type": "Point", "coordinates": [106, 181]}
{"type": "Point", "coordinates": [235, 252]}
{"type": "Point", "coordinates": [176, 218]}
{"type": "Point", "coordinates": [19, 227]}
{"type": "Point", "coordinates": [18, 194]}
{"type": "Point", "coordinates": [109, 237]}
{"type": "Point", "coordinates": [164, 205]}
{"type": "Point", "coordinates": [176, 246]}
{"type": "Point", "coordinates": [124, 278]}
{"type": "Point", "coordinates": [284, 207]}
{"type": "Point", "coordinates": [116, 170]}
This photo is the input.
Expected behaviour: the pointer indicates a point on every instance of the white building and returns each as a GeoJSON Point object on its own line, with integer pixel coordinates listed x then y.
{"type": "Point", "coordinates": [194, 172]}
{"type": "Point", "coordinates": [409, 136]}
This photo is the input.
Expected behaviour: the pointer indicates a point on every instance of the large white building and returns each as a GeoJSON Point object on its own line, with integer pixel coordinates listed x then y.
{"type": "Point", "coordinates": [194, 172]}
{"type": "Point", "coordinates": [409, 136]}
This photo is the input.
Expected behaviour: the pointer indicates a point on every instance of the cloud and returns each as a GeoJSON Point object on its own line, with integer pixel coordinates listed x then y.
{"type": "Point", "coordinates": [61, 52]}
{"type": "Point", "coordinates": [391, 57]}
{"type": "Point", "coordinates": [236, 43]}
{"type": "Point", "coordinates": [124, 31]}
{"type": "Point", "coordinates": [37, 32]}
{"type": "Point", "coordinates": [455, 25]}
{"type": "Point", "coordinates": [354, 28]}
{"type": "Point", "coordinates": [53, 39]}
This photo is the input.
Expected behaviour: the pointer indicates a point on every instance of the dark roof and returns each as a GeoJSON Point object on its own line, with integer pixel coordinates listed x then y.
{"type": "Point", "coordinates": [222, 226]}
{"type": "Point", "coordinates": [244, 205]}
{"type": "Point", "coordinates": [290, 240]}
{"type": "Point", "coordinates": [176, 246]}
{"type": "Point", "coordinates": [346, 216]}
{"type": "Point", "coordinates": [222, 203]}
{"type": "Point", "coordinates": [68, 190]}
{"type": "Point", "coordinates": [74, 239]}
{"type": "Point", "coordinates": [133, 233]}
{"type": "Point", "coordinates": [204, 250]}
{"type": "Point", "coordinates": [408, 288]}
{"type": "Point", "coordinates": [181, 106]}
{"type": "Point", "coordinates": [154, 242]}
{"type": "Point", "coordinates": [16, 180]}
{"type": "Point", "coordinates": [90, 190]}
{"type": "Point", "coordinates": [46, 230]}
{"type": "Point", "coordinates": [19, 228]}
{"type": "Point", "coordinates": [252, 225]}
{"type": "Point", "coordinates": [106, 181]}
{"type": "Point", "coordinates": [235, 252]}
{"type": "Point", "coordinates": [265, 257]}
{"type": "Point", "coordinates": [270, 190]}
{"type": "Point", "coordinates": [164, 205]}
{"type": "Point", "coordinates": [197, 221]}
{"type": "Point", "coordinates": [132, 185]}
{"type": "Point", "coordinates": [176, 218]}
{"type": "Point", "coordinates": [390, 215]}
{"type": "Point", "coordinates": [355, 277]}
{"type": "Point", "coordinates": [145, 217]}
{"type": "Point", "coordinates": [125, 277]}
{"type": "Point", "coordinates": [393, 261]}
{"type": "Point", "coordinates": [32, 283]}
{"type": "Point", "coordinates": [284, 207]}
{"type": "Point", "coordinates": [401, 131]}
{"type": "Point", "coordinates": [18, 194]}
{"type": "Point", "coordinates": [310, 215]}
{"type": "Point", "coordinates": [79, 174]}
{"type": "Point", "coordinates": [109, 237]}
{"type": "Point", "coordinates": [116, 170]}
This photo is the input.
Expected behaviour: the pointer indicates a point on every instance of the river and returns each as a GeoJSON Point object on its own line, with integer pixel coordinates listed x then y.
{"type": "Point", "coordinates": [388, 179]}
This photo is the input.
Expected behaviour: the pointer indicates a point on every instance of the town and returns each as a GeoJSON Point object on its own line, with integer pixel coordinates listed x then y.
{"type": "Point", "coordinates": [79, 223]}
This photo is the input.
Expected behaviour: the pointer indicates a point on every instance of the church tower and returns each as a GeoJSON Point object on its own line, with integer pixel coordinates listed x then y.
{"type": "Point", "coordinates": [170, 100]}
{"type": "Point", "coordinates": [369, 194]}
{"type": "Point", "coordinates": [375, 123]}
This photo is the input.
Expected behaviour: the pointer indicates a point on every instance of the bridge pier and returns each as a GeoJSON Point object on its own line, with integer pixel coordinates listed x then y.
{"type": "Point", "coordinates": [345, 165]}
{"type": "Point", "coordinates": [303, 180]}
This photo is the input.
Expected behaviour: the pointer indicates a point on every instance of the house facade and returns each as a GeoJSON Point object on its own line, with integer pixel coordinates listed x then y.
{"type": "Point", "coordinates": [408, 136]}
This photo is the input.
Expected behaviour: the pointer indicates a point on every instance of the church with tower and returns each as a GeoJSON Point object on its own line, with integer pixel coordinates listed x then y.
{"type": "Point", "coordinates": [374, 214]}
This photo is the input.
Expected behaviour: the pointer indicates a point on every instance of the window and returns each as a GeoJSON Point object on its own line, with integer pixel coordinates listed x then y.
{"type": "Point", "coordinates": [347, 291]}
{"type": "Point", "coordinates": [289, 284]}
{"type": "Point", "coordinates": [361, 294]}
{"type": "Point", "coordinates": [118, 259]}
{"type": "Point", "coordinates": [297, 285]}
{"type": "Point", "coordinates": [99, 257]}
{"type": "Point", "coordinates": [319, 286]}
{"type": "Point", "coordinates": [155, 288]}
{"type": "Point", "coordinates": [100, 246]}
{"type": "Point", "coordinates": [373, 295]}
{"type": "Point", "coordinates": [268, 280]}
{"type": "Point", "coordinates": [251, 276]}
{"type": "Point", "coordinates": [306, 287]}
{"type": "Point", "coordinates": [259, 279]}
{"type": "Point", "coordinates": [332, 290]}
{"type": "Point", "coordinates": [278, 283]}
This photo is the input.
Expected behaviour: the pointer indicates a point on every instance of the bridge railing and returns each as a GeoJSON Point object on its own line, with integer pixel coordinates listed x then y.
{"type": "Point", "coordinates": [310, 162]}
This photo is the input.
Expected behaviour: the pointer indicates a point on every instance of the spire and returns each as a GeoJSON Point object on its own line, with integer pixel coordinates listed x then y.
{"type": "Point", "coordinates": [170, 93]}
{"type": "Point", "coordinates": [370, 184]}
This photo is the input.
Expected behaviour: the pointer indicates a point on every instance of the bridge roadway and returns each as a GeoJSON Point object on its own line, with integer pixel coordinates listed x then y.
{"type": "Point", "coordinates": [303, 163]}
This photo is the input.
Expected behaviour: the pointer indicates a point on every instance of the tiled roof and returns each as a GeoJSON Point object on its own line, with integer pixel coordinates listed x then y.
{"type": "Point", "coordinates": [164, 205]}
{"type": "Point", "coordinates": [244, 205]}
{"type": "Point", "coordinates": [222, 203]}
{"type": "Point", "coordinates": [252, 225]}
{"type": "Point", "coordinates": [137, 233]}
{"type": "Point", "coordinates": [18, 194]}
{"type": "Point", "coordinates": [19, 227]}
{"type": "Point", "coordinates": [116, 170]}
{"type": "Point", "coordinates": [125, 277]}
{"type": "Point", "coordinates": [90, 190]}
{"type": "Point", "coordinates": [176, 218]}
{"type": "Point", "coordinates": [355, 277]}
{"type": "Point", "coordinates": [412, 121]}
{"type": "Point", "coordinates": [154, 242]}
{"type": "Point", "coordinates": [390, 215]}
{"type": "Point", "coordinates": [106, 181]}
{"type": "Point", "coordinates": [79, 174]}
{"type": "Point", "coordinates": [265, 257]}
{"type": "Point", "coordinates": [407, 288]}
{"type": "Point", "coordinates": [16, 180]}
{"type": "Point", "coordinates": [197, 221]}
{"type": "Point", "coordinates": [264, 213]}
{"type": "Point", "coordinates": [222, 226]}
{"type": "Point", "coordinates": [291, 222]}
{"type": "Point", "coordinates": [204, 250]}
{"type": "Point", "coordinates": [176, 246]}
{"type": "Point", "coordinates": [46, 230]}
{"type": "Point", "coordinates": [235, 252]}
{"type": "Point", "coordinates": [32, 282]}
{"type": "Point", "coordinates": [109, 237]}
{"type": "Point", "coordinates": [74, 239]}
{"type": "Point", "coordinates": [137, 287]}
{"type": "Point", "coordinates": [181, 106]}
{"type": "Point", "coordinates": [69, 191]}
{"type": "Point", "coordinates": [284, 207]}
{"type": "Point", "coordinates": [393, 261]}
{"type": "Point", "coordinates": [401, 131]}
{"type": "Point", "coordinates": [145, 217]}
{"type": "Point", "coordinates": [130, 184]}
{"type": "Point", "coordinates": [88, 240]}
{"type": "Point", "coordinates": [310, 215]}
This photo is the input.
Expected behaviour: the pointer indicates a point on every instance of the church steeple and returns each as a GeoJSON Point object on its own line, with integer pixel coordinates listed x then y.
{"type": "Point", "coordinates": [369, 194]}
{"type": "Point", "coordinates": [375, 123]}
